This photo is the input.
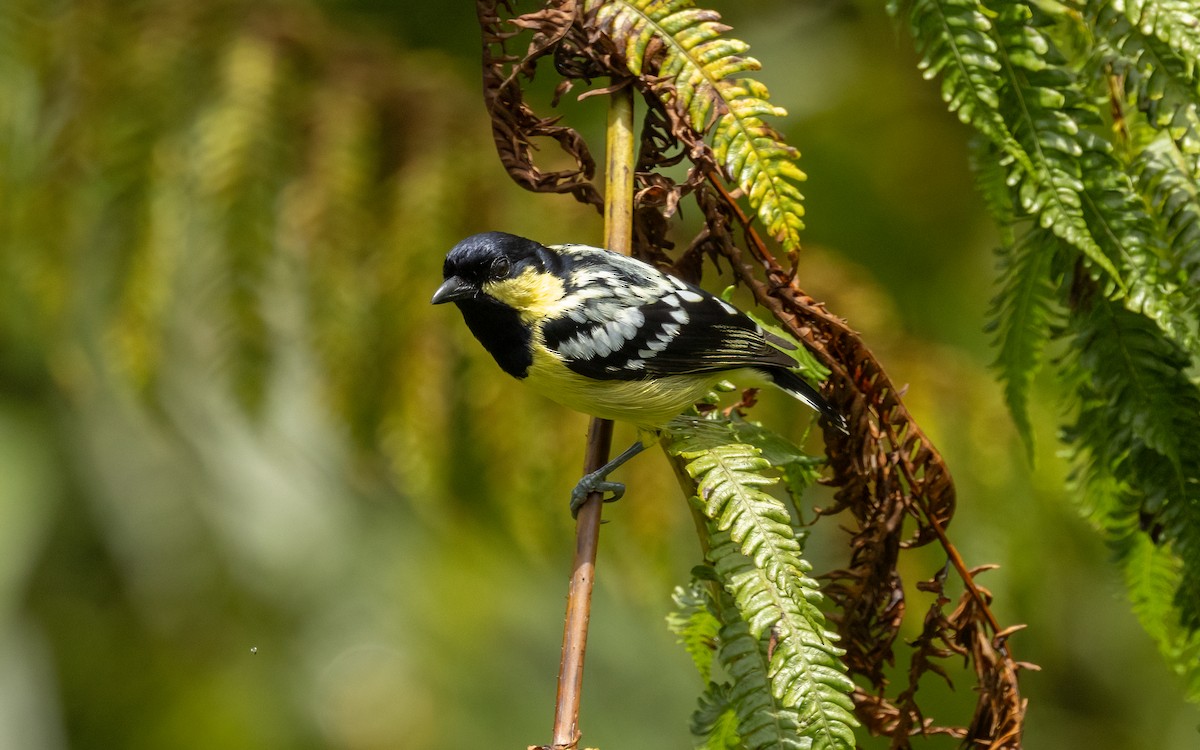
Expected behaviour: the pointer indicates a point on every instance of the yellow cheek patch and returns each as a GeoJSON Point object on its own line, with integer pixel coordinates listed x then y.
{"type": "Point", "coordinates": [534, 295]}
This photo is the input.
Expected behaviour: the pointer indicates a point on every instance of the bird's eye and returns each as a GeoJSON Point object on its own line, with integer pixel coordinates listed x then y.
{"type": "Point", "coordinates": [500, 267]}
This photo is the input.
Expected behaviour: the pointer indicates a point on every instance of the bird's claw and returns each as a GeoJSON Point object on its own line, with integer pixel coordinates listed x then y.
{"type": "Point", "coordinates": [597, 481]}
{"type": "Point", "coordinates": [594, 482]}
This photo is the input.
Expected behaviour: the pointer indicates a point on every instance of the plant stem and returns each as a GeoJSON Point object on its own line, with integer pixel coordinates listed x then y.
{"type": "Point", "coordinates": [618, 233]}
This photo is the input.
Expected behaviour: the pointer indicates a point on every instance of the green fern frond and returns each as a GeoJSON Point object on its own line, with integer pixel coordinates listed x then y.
{"type": "Point", "coordinates": [1153, 575]}
{"type": "Point", "coordinates": [986, 160]}
{"type": "Point", "coordinates": [805, 670]}
{"type": "Point", "coordinates": [1172, 199]}
{"type": "Point", "coordinates": [1050, 116]}
{"type": "Point", "coordinates": [1138, 418]}
{"type": "Point", "coordinates": [1136, 373]}
{"type": "Point", "coordinates": [705, 76]}
{"type": "Point", "coordinates": [715, 720]}
{"type": "Point", "coordinates": [1163, 178]}
{"type": "Point", "coordinates": [1153, 48]}
{"type": "Point", "coordinates": [801, 685]}
{"type": "Point", "coordinates": [956, 41]}
{"type": "Point", "coordinates": [1087, 149]}
{"type": "Point", "coordinates": [763, 723]}
{"type": "Point", "coordinates": [1022, 315]}
{"type": "Point", "coordinates": [729, 479]}
{"type": "Point", "coordinates": [695, 625]}
{"type": "Point", "coordinates": [1174, 22]}
{"type": "Point", "coordinates": [996, 76]}
{"type": "Point", "coordinates": [756, 159]}
{"type": "Point", "coordinates": [1128, 226]}
{"type": "Point", "coordinates": [231, 162]}
{"type": "Point", "coordinates": [1105, 501]}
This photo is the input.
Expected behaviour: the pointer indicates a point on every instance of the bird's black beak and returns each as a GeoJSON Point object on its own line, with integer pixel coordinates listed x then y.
{"type": "Point", "coordinates": [454, 289]}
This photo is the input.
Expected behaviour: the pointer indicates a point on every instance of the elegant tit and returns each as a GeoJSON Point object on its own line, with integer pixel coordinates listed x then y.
{"type": "Point", "coordinates": [609, 335]}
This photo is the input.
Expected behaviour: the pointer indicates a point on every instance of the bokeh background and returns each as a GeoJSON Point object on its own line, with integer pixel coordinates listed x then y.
{"type": "Point", "coordinates": [255, 492]}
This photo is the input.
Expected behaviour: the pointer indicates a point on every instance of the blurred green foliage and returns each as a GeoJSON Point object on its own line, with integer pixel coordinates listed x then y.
{"type": "Point", "coordinates": [256, 493]}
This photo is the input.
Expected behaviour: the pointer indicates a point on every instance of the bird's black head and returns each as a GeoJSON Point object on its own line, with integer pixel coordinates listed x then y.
{"type": "Point", "coordinates": [485, 276]}
{"type": "Point", "coordinates": [487, 258]}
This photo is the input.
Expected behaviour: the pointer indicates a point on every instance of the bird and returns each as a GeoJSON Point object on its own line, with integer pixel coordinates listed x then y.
{"type": "Point", "coordinates": [610, 336]}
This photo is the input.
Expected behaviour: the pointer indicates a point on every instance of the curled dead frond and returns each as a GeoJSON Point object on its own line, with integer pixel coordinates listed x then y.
{"type": "Point", "coordinates": [514, 123]}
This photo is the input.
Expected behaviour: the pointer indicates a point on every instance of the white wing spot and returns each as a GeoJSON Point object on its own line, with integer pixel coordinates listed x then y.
{"type": "Point", "coordinates": [615, 331]}
{"type": "Point", "coordinates": [653, 347]}
{"type": "Point", "coordinates": [635, 364]}
{"type": "Point", "coordinates": [600, 341]}
{"type": "Point", "coordinates": [728, 307]}
{"type": "Point", "coordinates": [690, 296]}
{"type": "Point", "coordinates": [626, 297]}
{"type": "Point", "coordinates": [671, 300]}
{"type": "Point", "coordinates": [680, 317]}
{"type": "Point", "coordinates": [671, 330]}
{"type": "Point", "coordinates": [573, 349]}
{"type": "Point", "coordinates": [631, 319]}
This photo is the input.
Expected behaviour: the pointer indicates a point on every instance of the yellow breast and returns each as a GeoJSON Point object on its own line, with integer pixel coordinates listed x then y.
{"type": "Point", "coordinates": [648, 404]}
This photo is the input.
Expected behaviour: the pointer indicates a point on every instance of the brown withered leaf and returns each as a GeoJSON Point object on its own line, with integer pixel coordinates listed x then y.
{"type": "Point", "coordinates": [514, 123]}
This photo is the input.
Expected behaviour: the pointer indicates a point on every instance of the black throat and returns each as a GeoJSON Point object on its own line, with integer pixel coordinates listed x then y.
{"type": "Point", "coordinates": [499, 328]}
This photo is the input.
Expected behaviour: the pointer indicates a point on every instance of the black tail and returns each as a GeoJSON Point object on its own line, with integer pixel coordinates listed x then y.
{"type": "Point", "coordinates": [798, 387]}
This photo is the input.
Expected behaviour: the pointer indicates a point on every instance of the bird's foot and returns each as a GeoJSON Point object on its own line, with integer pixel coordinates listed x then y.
{"type": "Point", "coordinates": [597, 481]}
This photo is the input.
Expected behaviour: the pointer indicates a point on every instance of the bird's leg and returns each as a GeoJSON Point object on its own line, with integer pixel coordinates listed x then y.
{"type": "Point", "coordinates": [597, 481]}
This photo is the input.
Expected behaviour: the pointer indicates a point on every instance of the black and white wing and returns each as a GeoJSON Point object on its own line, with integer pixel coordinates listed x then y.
{"type": "Point", "coordinates": [628, 321]}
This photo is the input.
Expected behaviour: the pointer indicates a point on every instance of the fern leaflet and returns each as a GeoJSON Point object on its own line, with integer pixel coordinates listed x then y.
{"type": "Point", "coordinates": [1022, 315]}
{"type": "Point", "coordinates": [1153, 575]}
{"type": "Point", "coordinates": [702, 74]}
{"type": "Point", "coordinates": [729, 479]}
{"type": "Point", "coordinates": [715, 721]}
{"type": "Point", "coordinates": [1161, 75]}
{"type": "Point", "coordinates": [1135, 402]}
{"type": "Point", "coordinates": [695, 625]}
{"type": "Point", "coordinates": [805, 672]}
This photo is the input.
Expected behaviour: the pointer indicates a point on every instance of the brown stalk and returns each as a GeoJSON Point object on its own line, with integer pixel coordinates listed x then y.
{"type": "Point", "coordinates": [618, 223]}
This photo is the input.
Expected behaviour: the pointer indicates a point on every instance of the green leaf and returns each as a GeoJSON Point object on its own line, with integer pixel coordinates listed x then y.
{"type": "Point", "coordinates": [1087, 154]}
{"type": "Point", "coordinates": [715, 721]}
{"type": "Point", "coordinates": [804, 671]}
{"type": "Point", "coordinates": [1135, 436]}
{"type": "Point", "coordinates": [1153, 48]}
{"type": "Point", "coordinates": [800, 688]}
{"type": "Point", "coordinates": [1153, 576]}
{"type": "Point", "coordinates": [729, 482]}
{"type": "Point", "coordinates": [695, 625]}
{"type": "Point", "coordinates": [702, 75]}
{"type": "Point", "coordinates": [1022, 315]}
